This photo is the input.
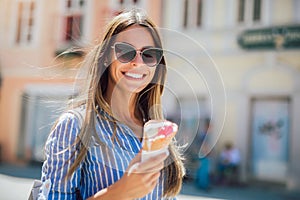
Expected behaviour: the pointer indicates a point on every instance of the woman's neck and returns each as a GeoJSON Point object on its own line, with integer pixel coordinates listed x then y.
{"type": "Point", "coordinates": [123, 107]}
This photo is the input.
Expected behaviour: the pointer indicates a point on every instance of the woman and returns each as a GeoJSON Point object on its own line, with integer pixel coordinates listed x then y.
{"type": "Point", "coordinates": [93, 151]}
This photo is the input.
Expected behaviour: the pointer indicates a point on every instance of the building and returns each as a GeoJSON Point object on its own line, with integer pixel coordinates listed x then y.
{"type": "Point", "coordinates": [236, 62]}
{"type": "Point", "coordinates": [255, 46]}
{"type": "Point", "coordinates": [33, 36]}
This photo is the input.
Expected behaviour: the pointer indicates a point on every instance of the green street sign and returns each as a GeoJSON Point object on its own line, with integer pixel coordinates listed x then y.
{"type": "Point", "coordinates": [283, 37]}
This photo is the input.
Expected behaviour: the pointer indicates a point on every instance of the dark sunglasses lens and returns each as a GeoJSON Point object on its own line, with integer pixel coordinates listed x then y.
{"type": "Point", "coordinates": [124, 52]}
{"type": "Point", "coordinates": [152, 57]}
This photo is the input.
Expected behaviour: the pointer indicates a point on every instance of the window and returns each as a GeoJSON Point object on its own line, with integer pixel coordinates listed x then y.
{"type": "Point", "coordinates": [185, 14]}
{"type": "Point", "coordinates": [25, 21]}
{"type": "Point", "coordinates": [192, 13]}
{"type": "Point", "coordinates": [241, 11]}
{"type": "Point", "coordinates": [249, 11]}
{"type": "Point", "coordinates": [41, 106]}
{"type": "Point", "coordinates": [73, 16]}
{"type": "Point", "coordinates": [199, 13]}
{"type": "Point", "coordinates": [121, 2]}
{"type": "Point", "coordinates": [124, 4]}
{"type": "Point", "coordinates": [256, 10]}
{"type": "Point", "coordinates": [296, 5]}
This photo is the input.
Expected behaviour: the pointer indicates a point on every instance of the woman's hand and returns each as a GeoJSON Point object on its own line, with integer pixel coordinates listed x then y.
{"type": "Point", "coordinates": [139, 179]}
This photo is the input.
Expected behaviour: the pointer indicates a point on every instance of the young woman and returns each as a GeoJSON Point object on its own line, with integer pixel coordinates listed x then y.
{"type": "Point", "coordinates": [94, 150]}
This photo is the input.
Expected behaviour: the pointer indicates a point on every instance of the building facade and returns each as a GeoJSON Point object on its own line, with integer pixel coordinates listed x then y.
{"type": "Point", "coordinates": [255, 46]}
{"type": "Point", "coordinates": [34, 34]}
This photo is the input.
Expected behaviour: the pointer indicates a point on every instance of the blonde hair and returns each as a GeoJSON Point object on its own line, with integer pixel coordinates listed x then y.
{"type": "Point", "coordinates": [148, 101]}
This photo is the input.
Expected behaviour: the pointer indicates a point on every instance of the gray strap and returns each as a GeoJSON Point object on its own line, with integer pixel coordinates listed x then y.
{"type": "Point", "coordinates": [79, 112]}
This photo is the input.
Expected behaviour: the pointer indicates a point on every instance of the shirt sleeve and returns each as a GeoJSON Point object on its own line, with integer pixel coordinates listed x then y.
{"type": "Point", "coordinates": [60, 153]}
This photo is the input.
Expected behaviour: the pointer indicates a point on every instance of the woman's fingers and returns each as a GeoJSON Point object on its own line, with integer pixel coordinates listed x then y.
{"type": "Point", "coordinates": [142, 177]}
{"type": "Point", "coordinates": [152, 168]}
{"type": "Point", "coordinates": [150, 180]}
{"type": "Point", "coordinates": [153, 180]}
{"type": "Point", "coordinates": [155, 163]}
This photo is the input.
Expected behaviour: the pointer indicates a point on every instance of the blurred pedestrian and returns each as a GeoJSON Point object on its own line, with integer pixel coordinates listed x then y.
{"type": "Point", "coordinates": [92, 147]}
{"type": "Point", "coordinates": [229, 162]}
{"type": "Point", "coordinates": [202, 180]}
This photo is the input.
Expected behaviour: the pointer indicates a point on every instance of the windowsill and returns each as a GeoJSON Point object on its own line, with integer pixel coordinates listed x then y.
{"type": "Point", "coordinates": [69, 51]}
{"type": "Point", "coordinates": [69, 54]}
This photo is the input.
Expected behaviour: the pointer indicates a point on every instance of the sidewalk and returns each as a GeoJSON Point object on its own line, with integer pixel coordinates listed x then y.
{"type": "Point", "coordinates": [13, 188]}
{"type": "Point", "coordinates": [16, 182]}
{"type": "Point", "coordinates": [249, 192]}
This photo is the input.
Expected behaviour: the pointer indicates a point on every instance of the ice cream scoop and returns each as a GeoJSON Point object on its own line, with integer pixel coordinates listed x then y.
{"type": "Point", "coordinates": [158, 134]}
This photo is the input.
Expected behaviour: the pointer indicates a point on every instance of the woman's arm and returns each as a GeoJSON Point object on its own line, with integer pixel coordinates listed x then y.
{"type": "Point", "coordinates": [139, 180]}
{"type": "Point", "coordinates": [60, 154]}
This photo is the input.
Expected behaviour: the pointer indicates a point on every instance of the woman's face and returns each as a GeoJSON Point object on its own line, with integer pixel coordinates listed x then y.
{"type": "Point", "coordinates": [135, 75]}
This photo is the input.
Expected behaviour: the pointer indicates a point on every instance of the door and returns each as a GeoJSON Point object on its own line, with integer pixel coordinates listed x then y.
{"type": "Point", "coordinates": [270, 138]}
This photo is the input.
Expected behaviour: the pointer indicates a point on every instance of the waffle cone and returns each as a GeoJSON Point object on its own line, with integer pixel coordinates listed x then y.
{"type": "Point", "coordinates": [159, 143]}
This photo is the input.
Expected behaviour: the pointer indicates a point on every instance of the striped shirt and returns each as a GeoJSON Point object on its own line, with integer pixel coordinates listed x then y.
{"type": "Point", "coordinates": [102, 166]}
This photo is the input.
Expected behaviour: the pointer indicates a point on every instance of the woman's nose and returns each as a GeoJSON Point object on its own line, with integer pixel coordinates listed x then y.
{"type": "Point", "coordinates": [138, 58]}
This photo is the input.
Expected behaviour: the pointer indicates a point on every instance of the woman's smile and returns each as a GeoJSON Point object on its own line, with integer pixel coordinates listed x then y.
{"type": "Point", "coordinates": [131, 75]}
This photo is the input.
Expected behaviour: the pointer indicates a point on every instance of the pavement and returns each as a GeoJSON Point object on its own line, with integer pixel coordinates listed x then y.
{"type": "Point", "coordinates": [245, 192]}
{"type": "Point", "coordinates": [16, 182]}
{"type": "Point", "coordinates": [15, 188]}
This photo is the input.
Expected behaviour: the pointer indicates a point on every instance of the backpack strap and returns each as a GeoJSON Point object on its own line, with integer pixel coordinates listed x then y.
{"type": "Point", "coordinates": [79, 112]}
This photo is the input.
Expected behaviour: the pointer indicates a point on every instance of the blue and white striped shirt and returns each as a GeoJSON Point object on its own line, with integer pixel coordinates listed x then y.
{"type": "Point", "coordinates": [102, 166]}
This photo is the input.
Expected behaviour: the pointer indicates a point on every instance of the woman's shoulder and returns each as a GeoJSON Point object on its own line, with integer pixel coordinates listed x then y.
{"type": "Point", "coordinates": [73, 112]}
{"type": "Point", "coordinates": [66, 129]}
{"type": "Point", "coordinates": [71, 118]}
{"type": "Point", "coordinates": [77, 113]}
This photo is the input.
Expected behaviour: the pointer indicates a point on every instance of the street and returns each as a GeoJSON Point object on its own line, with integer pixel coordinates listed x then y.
{"type": "Point", "coordinates": [13, 188]}
{"type": "Point", "coordinates": [16, 182]}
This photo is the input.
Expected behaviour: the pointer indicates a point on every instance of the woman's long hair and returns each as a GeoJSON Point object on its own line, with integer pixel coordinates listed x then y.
{"type": "Point", "coordinates": [148, 101]}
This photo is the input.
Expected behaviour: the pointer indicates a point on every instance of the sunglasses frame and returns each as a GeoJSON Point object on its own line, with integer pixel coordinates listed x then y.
{"type": "Point", "coordinates": [141, 52]}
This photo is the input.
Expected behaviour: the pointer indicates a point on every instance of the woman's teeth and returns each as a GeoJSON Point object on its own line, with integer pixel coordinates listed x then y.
{"type": "Point", "coordinates": [133, 75]}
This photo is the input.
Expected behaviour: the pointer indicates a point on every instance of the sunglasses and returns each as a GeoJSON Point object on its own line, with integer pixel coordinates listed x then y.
{"type": "Point", "coordinates": [125, 53]}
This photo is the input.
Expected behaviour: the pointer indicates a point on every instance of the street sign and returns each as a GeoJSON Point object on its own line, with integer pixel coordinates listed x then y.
{"type": "Point", "coordinates": [281, 37]}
